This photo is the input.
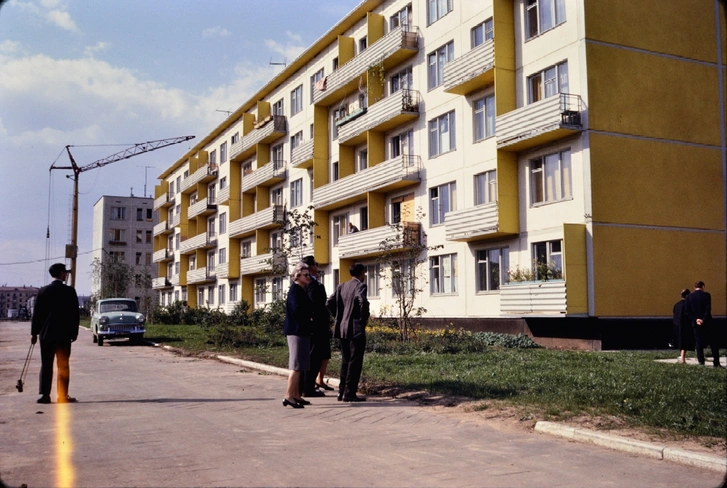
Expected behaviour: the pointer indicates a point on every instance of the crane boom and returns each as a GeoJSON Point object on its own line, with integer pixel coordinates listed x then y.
{"type": "Point", "coordinates": [135, 150]}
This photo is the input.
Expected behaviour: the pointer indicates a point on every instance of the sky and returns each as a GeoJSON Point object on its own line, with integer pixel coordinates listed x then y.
{"type": "Point", "coordinates": [101, 76]}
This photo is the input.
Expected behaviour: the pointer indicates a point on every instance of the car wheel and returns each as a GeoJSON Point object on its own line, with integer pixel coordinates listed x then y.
{"type": "Point", "coordinates": [137, 339]}
{"type": "Point", "coordinates": [100, 341]}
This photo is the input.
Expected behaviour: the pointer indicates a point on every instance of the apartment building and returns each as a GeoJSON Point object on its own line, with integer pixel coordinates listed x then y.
{"type": "Point", "coordinates": [16, 299]}
{"type": "Point", "coordinates": [569, 168]}
{"type": "Point", "coordinates": [123, 230]}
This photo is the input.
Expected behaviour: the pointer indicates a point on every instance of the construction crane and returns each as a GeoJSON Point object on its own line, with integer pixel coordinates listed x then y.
{"type": "Point", "coordinates": [135, 150]}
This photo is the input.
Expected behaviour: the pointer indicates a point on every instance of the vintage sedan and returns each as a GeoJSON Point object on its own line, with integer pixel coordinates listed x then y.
{"type": "Point", "coordinates": [116, 318]}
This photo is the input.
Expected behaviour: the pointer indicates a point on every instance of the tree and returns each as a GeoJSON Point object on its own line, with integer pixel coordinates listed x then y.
{"type": "Point", "coordinates": [114, 278]}
{"type": "Point", "coordinates": [298, 230]}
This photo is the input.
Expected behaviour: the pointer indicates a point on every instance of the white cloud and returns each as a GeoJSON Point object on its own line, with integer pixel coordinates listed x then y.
{"type": "Point", "coordinates": [52, 11]}
{"type": "Point", "coordinates": [62, 19]}
{"type": "Point", "coordinates": [291, 49]}
{"type": "Point", "coordinates": [89, 51]}
{"type": "Point", "coordinates": [9, 47]}
{"type": "Point", "coordinates": [216, 31]}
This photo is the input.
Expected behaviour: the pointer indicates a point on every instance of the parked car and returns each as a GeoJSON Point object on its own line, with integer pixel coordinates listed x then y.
{"type": "Point", "coordinates": [117, 318]}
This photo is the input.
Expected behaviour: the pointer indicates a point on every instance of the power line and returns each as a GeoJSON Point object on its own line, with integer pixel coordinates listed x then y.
{"type": "Point", "coordinates": [44, 259]}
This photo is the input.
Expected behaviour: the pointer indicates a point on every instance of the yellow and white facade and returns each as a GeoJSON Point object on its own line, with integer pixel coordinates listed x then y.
{"type": "Point", "coordinates": [587, 135]}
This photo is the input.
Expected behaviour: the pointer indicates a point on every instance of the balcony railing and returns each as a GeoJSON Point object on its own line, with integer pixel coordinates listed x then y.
{"type": "Point", "coordinates": [176, 218]}
{"type": "Point", "coordinates": [471, 71]}
{"type": "Point", "coordinates": [162, 255]}
{"type": "Point", "coordinates": [163, 201]}
{"type": "Point", "coordinates": [200, 241]}
{"type": "Point", "coordinates": [471, 223]}
{"type": "Point", "coordinates": [540, 297]}
{"type": "Point", "coordinates": [204, 173]}
{"type": "Point", "coordinates": [267, 130]}
{"type": "Point", "coordinates": [395, 173]}
{"type": "Point", "coordinates": [544, 121]}
{"type": "Point", "coordinates": [393, 111]}
{"type": "Point", "coordinates": [205, 206]}
{"type": "Point", "coordinates": [266, 218]}
{"type": "Point", "coordinates": [161, 282]}
{"type": "Point", "coordinates": [201, 275]}
{"type": "Point", "coordinates": [302, 156]}
{"type": "Point", "coordinates": [396, 46]}
{"type": "Point", "coordinates": [175, 280]}
{"type": "Point", "coordinates": [368, 242]}
{"type": "Point", "coordinates": [223, 196]}
{"type": "Point", "coordinates": [269, 174]}
{"type": "Point", "coordinates": [162, 228]}
{"type": "Point", "coordinates": [262, 264]}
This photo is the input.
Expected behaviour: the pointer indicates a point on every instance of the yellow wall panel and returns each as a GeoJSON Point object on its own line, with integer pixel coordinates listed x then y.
{"type": "Point", "coordinates": [639, 272]}
{"type": "Point", "coordinates": [575, 268]}
{"type": "Point", "coordinates": [652, 96]}
{"type": "Point", "coordinates": [507, 193]}
{"type": "Point", "coordinates": [677, 27]}
{"type": "Point", "coordinates": [648, 182]}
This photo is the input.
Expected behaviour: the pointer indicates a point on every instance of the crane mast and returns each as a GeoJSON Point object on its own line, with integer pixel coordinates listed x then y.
{"type": "Point", "coordinates": [135, 150]}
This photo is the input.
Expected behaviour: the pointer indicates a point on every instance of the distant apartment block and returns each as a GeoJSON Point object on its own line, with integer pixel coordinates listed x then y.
{"type": "Point", "coordinates": [13, 299]}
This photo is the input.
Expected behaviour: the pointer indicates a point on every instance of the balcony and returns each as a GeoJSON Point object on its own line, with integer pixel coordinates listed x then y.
{"type": "Point", "coordinates": [201, 241]}
{"type": "Point", "coordinates": [393, 111]}
{"type": "Point", "coordinates": [367, 243]}
{"type": "Point", "coordinates": [175, 280]}
{"type": "Point", "coordinates": [395, 173]}
{"type": "Point", "coordinates": [395, 47]}
{"type": "Point", "coordinates": [223, 271]}
{"type": "Point", "coordinates": [204, 173]}
{"type": "Point", "coordinates": [302, 156]}
{"type": "Point", "coordinates": [223, 197]}
{"type": "Point", "coordinates": [269, 263]}
{"type": "Point", "coordinates": [175, 222]}
{"type": "Point", "coordinates": [269, 174]}
{"type": "Point", "coordinates": [533, 297]}
{"type": "Point", "coordinates": [473, 223]}
{"type": "Point", "coordinates": [201, 275]}
{"type": "Point", "coordinates": [163, 255]}
{"type": "Point", "coordinates": [266, 218]}
{"type": "Point", "coordinates": [541, 122]}
{"type": "Point", "coordinates": [163, 201]}
{"type": "Point", "coordinates": [206, 206]}
{"type": "Point", "coordinates": [159, 283]}
{"type": "Point", "coordinates": [163, 228]}
{"type": "Point", "coordinates": [471, 71]}
{"type": "Point", "coordinates": [266, 131]}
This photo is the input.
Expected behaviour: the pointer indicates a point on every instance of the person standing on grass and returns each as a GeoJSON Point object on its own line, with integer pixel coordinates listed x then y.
{"type": "Point", "coordinates": [55, 319]}
{"type": "Point", "coordinates": [298, 327]}
{"type": "Point", "coordinates": [699, 311]}
{"type": "Point", "coordinates": [320, 348]}
{"type": "Point", "coordinates": [683, 334]}
{"type": "Point", "coordinates": [350, 306]}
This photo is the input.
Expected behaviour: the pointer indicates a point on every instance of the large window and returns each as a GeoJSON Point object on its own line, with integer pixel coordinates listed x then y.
{"type": "Point", "coordinates": [296, 100]}
{"type": "Point", "coordinates": [296, 193]}
{"type": "Point", "coordinates": [261, 290]}
{"type": "Point", "coordinates": [401, 18]}
{"type": "Point", "coordinates": [222, 256]}
{"type": "Point", "coordinates": [443, 274]}
{"type": "Point", "coordinates": [492, 267]}
{"type": "Point", "coordinates": [441, 134]}
{"type": "Point", "coordinates": [372, 280]}
{"type": "Point", "coordinates": [317, 76]}
{"type": "Point", "coordinates": [221, 294]}
{"type": "Point", "coordinates": [401, 81]}
{"type": "Point", "coordinates": [245, 249]}
{"type": "Point", "coordinates": [276, 154]}
{"type": "Point", "coordinates": [486, 187]}
{"type": "Point", "coordinates": [213, 158]}
{"type": "Point", "coordinates": [118, 213]}
{"type": "Point", "coordinates": [223, 152]}
{"type": "Point", "coordinates": [550, 178]}
{"type": "Point", "coordinates": [481, 33]}
{"type": "Point", "coordinates": [233, 292]}
{"type": "Point", "coordinates": [279, 107]}
{"type": "Point", "coordinates": [484, 118]}
{"type": "Point", "coordinates": [549, 82]}
{"type": "Point", "coordinates": [277, 283]}
{"type": "Point", "coordinates": [442, 199]}
{"type": "Point", "coordinates": [543, 15]}
{"type": "Point", "coordinates": [436, 9]}
{"type": "Point", "coordinates": [223, 223]}
{"type": "Point", "coordinates": [340, 226]}
{"type": "Point", "coordinates": [436, 61]}
{"type": "Point", "coordinates": [548, 259]}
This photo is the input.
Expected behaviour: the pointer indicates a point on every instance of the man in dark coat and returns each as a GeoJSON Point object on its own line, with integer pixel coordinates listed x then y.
{"type": "Point", "coordinates": [350, 306]}
{"type": "Point", "coordinates": [321, 338]}
{"type": "Point", "coordinates": [699, 311]}
{"type": "Point", "coordinates": [55, 319]}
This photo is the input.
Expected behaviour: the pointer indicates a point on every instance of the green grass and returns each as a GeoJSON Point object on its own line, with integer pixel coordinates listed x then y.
{"type": "Point", "coordinates": [678, 399]}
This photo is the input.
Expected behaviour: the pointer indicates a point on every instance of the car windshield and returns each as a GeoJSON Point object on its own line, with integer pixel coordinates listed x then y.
{"type": "Point", "coordinates": [118, 306]}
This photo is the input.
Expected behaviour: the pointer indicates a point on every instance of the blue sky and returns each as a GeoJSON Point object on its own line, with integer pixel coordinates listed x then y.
{"type": "Point", "coordinates": [98, 72]}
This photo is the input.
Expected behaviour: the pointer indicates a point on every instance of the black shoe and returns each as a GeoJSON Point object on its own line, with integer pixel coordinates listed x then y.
{"type": "Point", "coordinates": [340, 397]}
{"type": "Point", "coordinates": [354, 399]}
{"type": "Point", "coordinates": [314, 393]}
{"type": "Point", "coordinates": [67, 400]}
{"type": "Point", "coordinates": [324, 387]}
{"type": "Point", "coordinates": [294, 404]}
{"type": "Point", "coordinates": [44, 399]}
{"type": "Point", "coordinates": [300, 401]}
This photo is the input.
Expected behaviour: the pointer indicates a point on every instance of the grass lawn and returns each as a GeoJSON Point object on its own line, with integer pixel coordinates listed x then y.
{"type": "Point", "coordinates": [556, 385]}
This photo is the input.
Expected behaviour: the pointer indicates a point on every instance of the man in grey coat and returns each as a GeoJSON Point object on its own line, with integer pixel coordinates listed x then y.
{"type": "Point", "coordinates": [350, 306]}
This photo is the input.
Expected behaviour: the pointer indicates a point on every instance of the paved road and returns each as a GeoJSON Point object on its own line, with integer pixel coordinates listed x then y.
{"type": "Point", "coordinates": [149, 418]}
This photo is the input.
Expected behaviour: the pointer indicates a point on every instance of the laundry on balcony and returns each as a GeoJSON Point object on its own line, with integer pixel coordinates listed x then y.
{"type": "Point", "coordinates": [321, 84]}
{"type": "Point", "coordinates": [262, 122]}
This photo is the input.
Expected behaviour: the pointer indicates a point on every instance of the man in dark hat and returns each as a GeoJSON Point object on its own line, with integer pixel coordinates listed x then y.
{"type": "Point", "coordinates": [56, 319]}
{"type": "Point", "coordinates": [320, 350]}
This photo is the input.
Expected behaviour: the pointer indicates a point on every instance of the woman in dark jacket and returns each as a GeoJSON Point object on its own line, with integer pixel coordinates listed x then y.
{"type": "Point", "coordinates": [298, 328]}
{"type": "Point", "coordinates": [683, 334]}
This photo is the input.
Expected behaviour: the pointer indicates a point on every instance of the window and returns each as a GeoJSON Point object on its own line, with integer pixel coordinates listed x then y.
{"type": "Point", "coordinates": [223, 152]}
{"type": "Point", "coordinates": [221, 294]}
{"type": "Point", "coordinates": [192, 262]}
{"type": "Point", "coordinates": [223, 223]}
{"type": "Point", "coordinates": [401, 81]}
{"type": "Point", "coordinates": [442, 200]}
{"type": "Point", "coordinates": [317, 76]}
{"type": "Point", "coordinates": [149, 214]}
{"type": "Point", "coordinates": [223, 182]}
{"type": "Point", "coordinates": [403, 274]}
{"type": "Point", "coordinates": [276, 196]}
{"type": "Point", "coordinates": [176, 267]}
{"type": "Point", "coordinates": [481, 33]}
{"type": "Point", "coordinates": [296, 193]}
{"type": "Point", "coordinates": [436, 61]}
{"type": "Point", "coordinates": [295, 141]}
{"type": "Point", "coordinates": [138, 259]}
{"type": "Point", "coordinates": [200, 296]}
{"type": "Point", "coordinates": [364, 216]}
{"type": "Point", "coordinates": [543, 15]}
{"type": "Point", "coordinates": [139, 214]}
{"type": "Point", "coordinates": [261, 289]}
{"type": "Point", "coordinates": [235, 138]}
{"type": "Point", "coordinates": [246, 249]}
{"type": "Point", "coordinates": [170, 243]}
{"type": "Point", "coordinates": [211, 294]}
{"type": "Point", "coordinates": [139, 236]}
{"type": "Point", "coordinates": [334, 64]}
{"type": "Point", "coordinates": [118, 256]}
{"type": "Point", "coordinates": [372, 279]}
{"type": "Point", "coordinates": [296, 100]}
{"type": "Point", "coordinates": [550, 178]}
{"type": "Point", "coordinates": [337, 114]}
{"type": "Point", "coordinates": [118, 213]}
{"type": "Point", "coordinates": [171, 189]}
{"type": "Point", "coordinates": [549, 82]}
{"type": "Point", "coordinates": [441, 135]}
{"type": "Point", "coordinates": [117, 235]}
{"type": "Point", "coordinates": [246, 169]}
{"type": "Point", "coordinates": [192, 201]}
{"type": "Point", "coordinates": [277, 283]}
{"type": "Point", "coordinates": [340, 225]}
{"type": "Point", "coordinates": [362, 44]}
{"type": "Point", "coordinates": [211, 194]}
{"type": "Point", "coordinates": [436, 9]}
{"type": "Point", "coordinates": [486, 187]}
{"type": "Point", "coordinates": [213, 157]}
{"type": "Point", "coordinates": [210, 262]}
{"type": "Point", "coordinates": [334, 171]}
{"type": "Point", "coordinates": [443, 274]}
{"type": "Point", "coordinates": [401, 18]}
{"type": "Point", "coordinates": [548, 259]}
{"type": "Point", "coordinates": [363, 160]}
{"type": "Point", "coordinates": [278, 108]}
{"type": "Point", "coordinates": [222, 256]}
{"type": "Point", "coordinates": [484, 118]}
{"type": "Point", "coordinates": [276, 240]}
{"type": "Point", "coordinates": [147, 259]}
{"type": "Point", "coordinates": [178, 209]}
{"type": "Point", "coordinates": [211, 227]}
{"type": "Point", "coordinates": [276, 154]}
{"type": "Point", "coordinates": [233, 292]}
{"type": "Point", "coordinates": [492, 267]}
{"type": "Point", "coordinates": [402, 144]}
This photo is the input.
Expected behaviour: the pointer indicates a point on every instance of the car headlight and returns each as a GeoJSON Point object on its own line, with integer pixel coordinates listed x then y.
{"type": "Point", "coordinates": [103, 320]}
{"type": "Point", "coordinates": [140, 319]}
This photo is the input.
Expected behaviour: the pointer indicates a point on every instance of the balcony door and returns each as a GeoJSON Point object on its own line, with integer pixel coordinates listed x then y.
{"type": "Point", "coordinates": [402, 209]}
